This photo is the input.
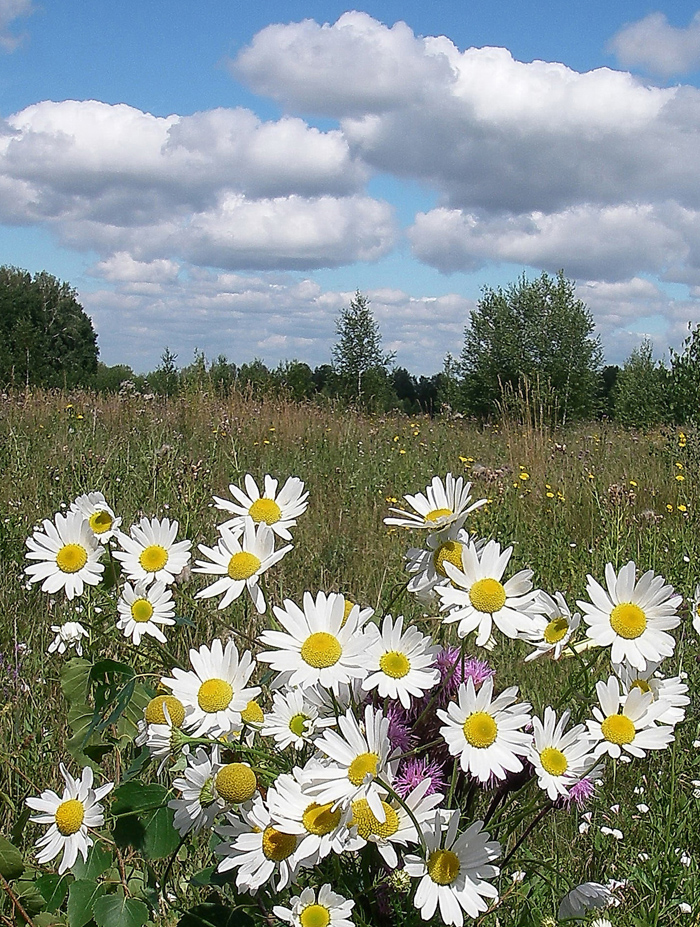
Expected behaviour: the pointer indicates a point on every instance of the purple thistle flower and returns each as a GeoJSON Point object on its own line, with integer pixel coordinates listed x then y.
{"type": "Point", "coordinates": [399, 732]}
{"type": "Point", "coordinates": [580, 793]}
{"type": "Point", "coordinates": [454, 670]}
{"type": "Point", "coordinates": [413, 771]}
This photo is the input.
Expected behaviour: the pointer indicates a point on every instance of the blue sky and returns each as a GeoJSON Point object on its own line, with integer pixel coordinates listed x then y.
{"type": "Point", "coordinates": [223, 176]}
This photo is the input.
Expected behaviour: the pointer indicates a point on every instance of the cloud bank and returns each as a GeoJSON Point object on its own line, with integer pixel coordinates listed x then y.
{"type": "Point", "coordinates": [654, 45]}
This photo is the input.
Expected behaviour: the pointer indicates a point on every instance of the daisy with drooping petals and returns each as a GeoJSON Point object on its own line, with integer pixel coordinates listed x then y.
{"type": "Point", "coordinates": [552, 630]}
{"type": "Point", "coordinates": [671, 690]}
{"type": "Point", "coordinates": [584, 898]}
{"type": "Point", "coordinates": [162, 710]}
{"type": "Point", "coordinates": [443, 504]}
{"type": "Point", "coordinates": [319, 644]}
{"type": "Point", "coordinates": [485, 731]}
{"type": "Point", "coordinates": [627, 722]}
{"type": "Point", "coordinates": [454, 874]}
{"type": "Point", "coordinates": [69, 555]}
{"type": "Point", "coordinates": [426, 565]}
{"type": "Point", "coordinates": [400, 664]}
{"type": "Point", "coordinates": [70, 634]}
{"type": "Point", "coordinates": [198, 805]}
{"type": "Point", "coordinates": [151, 551]}
{"type": "Point", "coordinates": [695, 605]}
{"type": "Point", "coordinates": [632, 616]}
{"type": "Point", "coordinates": [142, 608]}
{"type": "Point", "coordinates": [240, 563]}
{"type": "Point", "coordinates": [278, 510]}
{"type": "Point", "coordinates": [478, 599]}
{"type": "Point", "coordinates": [103, 523]}
{"type": "Point", "coordinates": [293, 719]}
{"type": "Point", "coordinates": [329, 909]}
{"type": "Point", "coordinates": [560, 759]}
{"type": "Point", "coordinates": [69, 816]}
{"type": "Point", "coordinates": [214, 692]}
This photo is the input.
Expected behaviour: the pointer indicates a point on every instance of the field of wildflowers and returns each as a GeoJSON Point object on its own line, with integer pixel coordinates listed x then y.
{"type": "Point", "coordinates": [266, 663]}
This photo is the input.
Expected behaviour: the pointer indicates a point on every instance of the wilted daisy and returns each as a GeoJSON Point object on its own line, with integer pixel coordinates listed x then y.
{"type": "Point", "coordinates": [142, 608]}
{"type": "Point", "coordinates": [199, 804]}
{"type": "Point", "coordinates": [69, 555]}
{"type": "Point", "coordinates": [68, 635]}
{"type": "Point", "coordinates": [696, 609]}
{"type": "Point", "coordinates": [426, 565]}
{"type": "Point", "coordinates": [101, 518]}
{"type": "Point", "coordinates": [560, 759]}
{"type": "Point", "coordinates": [672, 691]}
{"type": "Point", "coordinates": [632, 617]}
{"type": "Point", "coordinates": [329, 909]}
{"type": "Point", "coordinates": [240, 563]}
{"type": "Point", "coordinates": [443, 504]}
{"type": "Point", "coordinates": [214, 692]}
{"type": "Point", "coordinates": [279, 510]}
{"type": "Point", "coordinates": [293, 719]}
{"type": "Point", "coordinates": [478, 599]}
{"type": "Point", "coordinates": [485, 731]}
{"type": "Point", "coordinates": [151, 551]}
{"type": "Point", "coordinates": [400, 664]}
{"type": "Point", "coordinates": [454, 874]}
{"type": "Point", "coordinates": [162, 710]}
{"type": "Point", "coordinates": [586, 897]}
{"type": "Point", "coordinates": [551, 631]}
{"type": "Point", "coordinates": [316, 646]}
{"type": "Point", "coordinates": [69, 816]}
{"type": "Point", "coordinates": [627, 722]}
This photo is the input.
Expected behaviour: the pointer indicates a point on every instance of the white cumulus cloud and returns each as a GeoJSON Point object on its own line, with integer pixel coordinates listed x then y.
{"type": "Point", "coordinates": [654, 45]}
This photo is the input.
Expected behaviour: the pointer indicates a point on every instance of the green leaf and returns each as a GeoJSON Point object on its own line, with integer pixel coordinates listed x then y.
{"type": "Point", "coordinates": [211, 914]}
{"type": "Point", "coordinates": [118, 911]}
{"type": "Point", "coordinates": [11, 862]}
{"type": "Point", "coordinates": [30, 897]}
{"type": "Point", "coordinates": [82, 896]}
{"type": "Point", "coordinates": [54, 889]}
{"type": "Point", "coordinates": [48, 919]}
{"type": "Point", "coordinates": [127, 728]}
{"type": "Point", "coordinates": [99, 859]}
{"type": "Point", "coordinates": [134, 796]}
{"type": "Point", "coordinates": [143, 819]}
{"type": "Point", "coordinates": [75, 675]}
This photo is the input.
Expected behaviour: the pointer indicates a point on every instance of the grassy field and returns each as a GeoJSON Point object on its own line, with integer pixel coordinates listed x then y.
{"type": "Point", "coordinates": [568, 502]}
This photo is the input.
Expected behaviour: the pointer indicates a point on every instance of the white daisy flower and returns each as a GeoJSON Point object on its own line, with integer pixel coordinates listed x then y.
{"type": "Point", "coordinates": [259, 851]}
{"type": "Point", "coordinates": [696, 609]}
{"type": "Point", "coordinates": [69, 816]}
{"type": "Point", "coordinates": [551, 631]}
{"type": "Point", "coordinates": [627, 721]}
{"type": "Point", "coordinates": [161, 710]}
{"type": "Point", "coordinates": [278, 510]}
{"type": "Point", "coordinates": [478, 599]}
{"type": "Point", "coordinates": [560, 759]}
{"type": "Point", "coordinates": [151, 551]}
{"type": "Point", "coordinates": [400, 663]}
{"type": "Point", "coordinates": [485, 731]}
{"type": "Point", "coordinates": [426, 565]}
{"type": "Point", "coordinates": [69, 555]}
{"type": "Point", "coordinates": [358, 756]}
{"type": "Point", "coordinates": [199, 804]}
{"type": "Point", "coordinates": [293, 719]}
{"type": "Point", "coordinates": [671, 690]}
{"type": "Point", "coordinates": [101, 518]}
{"type": "Point", "coordinates": [632, 617]}
{"type": "Point", "coordinates": [316, 647]}
{"type": "Point", "coordinates": [455, 872]}
{"type": "Point", "coordinates": [68, 635]}
{"type": "Point", "coordinates": [329, 909]}
{"type": "Point", "coordinates": [443, 504]}
{"type": "Point", "coordinates": [586, 897]}
{"type": "Point", "coordinates": [240, 563]}
{"type": "Point", "coordinates": [142, 608]}
{"type": "Point", "coordinates": [214, 692]}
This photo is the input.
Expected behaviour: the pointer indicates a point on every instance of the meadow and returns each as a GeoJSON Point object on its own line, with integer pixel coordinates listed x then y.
{"type": "Point", "coordinates": [568, 501]}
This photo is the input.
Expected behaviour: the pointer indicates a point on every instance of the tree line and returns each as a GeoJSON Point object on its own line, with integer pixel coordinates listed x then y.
{"type": "Point", "coordinates": [529, 349]}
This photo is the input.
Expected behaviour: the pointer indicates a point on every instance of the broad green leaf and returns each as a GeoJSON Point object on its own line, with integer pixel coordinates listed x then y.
{"type": "Point", "coordinates": [99, 859]}
{"type": "Point", "coordinates": [118, 911]}
{"type": "Point", "coordinates": [127, 727]}
{"type": "Point", "coordinates": [11, 862]}
{"type": "Point", "coordinates": [82, 896]}
{"type": "Point", "coordinates": [143, 819]}
{"type": "Point", "coordinates": [54, 889]}
{"type": "Point", "coordinates": [134, 796]}
{"type": "Point", "coordinates": [211, 914]}
{"type": "Point", "coordinates": [30, 897]}
{"type": "Point", "coordinates": [49, 919]}
{"type": "Point", "coordinates": [75, 675]}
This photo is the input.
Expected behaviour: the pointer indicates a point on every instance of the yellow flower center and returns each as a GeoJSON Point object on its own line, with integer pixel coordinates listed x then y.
{"type": "Point", "coordinates": [641, 684]}
{"type": "Point", "coordinates": [319, 819]}
{"type": "Point", "coordinates": [69, 816]}
{"type": "Point", "coordinates": [553, 761]}
{"type": "Point", "coordinates": [265, 510]}
{"type": "Point", "coordinates": [367, 824]}
{"type": "Point", "coordinates": [154, 713]}
{"type": "Point", "coordinates": [214, 695]}
{"type": "Point", "coordinates": [252, 713]}
{"type": "Point", "coordinates": [347, 608]}
{"type": "Point", "coordinates": [100, 522]}
{"type": "Point", "coordinates": [450, 551]}
{"type": "Point", "coordinates": [487, 595]}
{"type": "Point", "coordinates": [362, 765]}
{"type": "Point", "coordinates": [438, 513]}
{"type": "Point", "coordinates": [628, 620]}
{"type": "Point", "coordinates": [297, 725]}
{"type": "Point", "coordinates": [443, 866]}
{"type": "Point", "coordinates": [618, 729]}
{"type": "Point", "coordinates": [556, 630]}
{"type": "Point", "coordinates": [315, 915]}
{"type": "Point", "coordinates": [236, 782]}
{"type": "Point", "coordinates": [276, 845]}
{"type": "Point", "coordinates": [153, 558]}
{"type": "Point", "coordinates": [71, 558]}
{"type": "Point", "coordinates": [243, 565]}
{"type": "Point", "coordinates": [321, 650]}
{"type": "Point", "coordinates": [395, 664]}
{"type": "Point", "coordinates": [480, 730]}
{"type": "Point", "coordinates": [141, 610]}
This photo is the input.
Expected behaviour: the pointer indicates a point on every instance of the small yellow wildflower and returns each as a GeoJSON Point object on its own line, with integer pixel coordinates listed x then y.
{"type": "Point", "coordinates": [402, 451]}
{"type": "Point", "coordinates": [682, 440]}
{"type": "Point", "coordinates": [524, 476]}
{"type": "Point", "coordinates": [680, 477]}
{"type": "Point", "coordinates": [682, 508]}
{"type": "Point", "coordinates": [669, 507]}
{"type": "Point", "coordinates": [679, 465]}
{"type": "Point", "coordinates": [633, 482]}
{"type": "Point", "coordinates": [550, 495]}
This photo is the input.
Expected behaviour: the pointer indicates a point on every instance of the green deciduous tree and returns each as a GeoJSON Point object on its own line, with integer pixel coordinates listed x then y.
{"type": "Point", "coordinates": [533, 333]}
{"type": "Point", "coordinates": [684, 380]}
{"type": "Point", "coordinates": [46, 338]}
{"type": "Point", "coordinates": [640, 392]}
{"type": "Point", "coordinates": [357, 355]}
